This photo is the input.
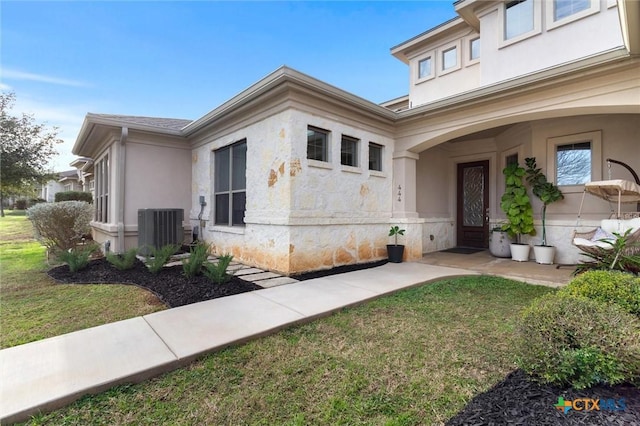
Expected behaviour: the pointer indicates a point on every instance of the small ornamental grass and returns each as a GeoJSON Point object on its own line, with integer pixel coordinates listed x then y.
{"type": "Point", "coordinates": [61, 226]}
{"type": "Point", "coordinates": [568, 340]}
{"type": "Point", "coordinates": [159, 257]}
{"type": "Point", "coordinates": [198, 254]}
{"type": "Point", "coordinates": [123, 261]}
{"type": "Point", "coordinates": [217, 272]}
{"type": "Point", "coordinates": [77, 258]}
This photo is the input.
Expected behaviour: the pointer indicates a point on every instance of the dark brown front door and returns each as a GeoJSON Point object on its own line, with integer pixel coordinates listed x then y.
{"type": "Point", "coordinates": [473, 204]}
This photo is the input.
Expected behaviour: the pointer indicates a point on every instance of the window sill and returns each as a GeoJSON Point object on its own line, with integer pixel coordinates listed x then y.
{"type": "Point", "coordinates": [351, 169]}
{"type": "Point", "coordinates": [239, 230]}
{"type": "Point", "coordinates": [377, 173]}
{"type": "Point", "coordinates": [319, 164]}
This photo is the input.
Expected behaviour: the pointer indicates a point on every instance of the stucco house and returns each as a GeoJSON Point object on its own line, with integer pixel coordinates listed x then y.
{"type": "Point", "coordinates": [68, 180]}
{"type": "Point", "coordinates": [293, 174]}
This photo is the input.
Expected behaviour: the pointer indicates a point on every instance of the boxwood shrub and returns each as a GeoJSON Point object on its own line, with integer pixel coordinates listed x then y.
{"type": "Point", "coordinates": [568, 340]}
{"type": "Point", "coordinates": [616, 287]}
{"type": "Point", "coordinates": [74, 196]}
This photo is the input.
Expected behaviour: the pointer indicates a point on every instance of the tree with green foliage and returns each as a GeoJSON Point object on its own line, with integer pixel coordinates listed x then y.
{"type": "Point", "coordinates": [25, 150]}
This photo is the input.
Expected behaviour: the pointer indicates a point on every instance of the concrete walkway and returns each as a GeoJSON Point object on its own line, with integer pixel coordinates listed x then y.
{"type": "Point", "coordinates": [50, 373]}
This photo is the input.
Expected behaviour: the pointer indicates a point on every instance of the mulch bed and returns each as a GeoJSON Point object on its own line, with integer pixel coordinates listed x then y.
{"type": "Point", "coordinates": [169, 285]}
{"type": "Point", "coordinates": [515, 401]}
{"type": "Point", "coordinates": [519, 401]}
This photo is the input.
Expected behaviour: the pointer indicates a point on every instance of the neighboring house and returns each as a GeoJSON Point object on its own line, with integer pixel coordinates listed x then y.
{"type": "Point", "coordinates": [68, 180]}
{"type": "Point", "coordinates": [299, 175]}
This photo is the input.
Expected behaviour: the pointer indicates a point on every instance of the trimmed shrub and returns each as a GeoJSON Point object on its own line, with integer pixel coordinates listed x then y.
{"type": "Point", "coordinates": [568, 340]}
{"type": "Point", "coordinates": [217, 272]}
{"type": "Point", "coordinates": [61, 226]}
{"type": "Point", "coordinates": [77, 258]}
{"type": "Point", "coordinates": [620, 288]}
{"type": "Point", "coordinates": [20, 204]}
{"type": "Point", "coordinates": [123, 261]}
{"type": "Point", "coordinates": [74, 196]}
{"type": "Point", "coordinates": [198, 254]}
{"type": "Point", "coordinates": [160, 257]}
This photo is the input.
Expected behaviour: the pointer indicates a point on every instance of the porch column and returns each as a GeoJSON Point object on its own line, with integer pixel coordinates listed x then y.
{"type": "Point", "coordinates": [404, 184]}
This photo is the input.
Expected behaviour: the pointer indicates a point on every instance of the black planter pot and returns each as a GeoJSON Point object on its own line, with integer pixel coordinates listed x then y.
{"type": "Point", "coordinates": [395, 253]}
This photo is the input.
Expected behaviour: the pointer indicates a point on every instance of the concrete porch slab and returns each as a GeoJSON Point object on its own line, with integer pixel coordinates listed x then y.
{"type": "Point", "coordinates": [51, 373]}
{"type": "Point", "coordinates": [202, 327]}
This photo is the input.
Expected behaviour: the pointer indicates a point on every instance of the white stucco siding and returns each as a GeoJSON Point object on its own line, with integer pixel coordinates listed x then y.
{"type": "Point", "coordinates": [157, 175]}
{"type": "Point", "coordinates": [552, 46]}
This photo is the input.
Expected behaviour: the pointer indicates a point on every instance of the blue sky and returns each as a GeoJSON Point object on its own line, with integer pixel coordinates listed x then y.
{"type": "Point", "coordinates": [183, 59]}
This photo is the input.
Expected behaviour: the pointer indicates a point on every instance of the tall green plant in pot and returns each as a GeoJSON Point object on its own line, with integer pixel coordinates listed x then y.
{"type": "Point", "coordinates": [548, 193]}
{"type": "Point", "coordinates": [516, 204]}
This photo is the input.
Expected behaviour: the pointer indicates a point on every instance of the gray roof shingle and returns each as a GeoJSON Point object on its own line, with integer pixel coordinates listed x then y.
{"type": "Point", "coordinates": [162, 123]}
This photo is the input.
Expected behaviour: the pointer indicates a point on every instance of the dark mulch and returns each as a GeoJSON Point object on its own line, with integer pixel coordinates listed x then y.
{"type": "Point", "coordinates": [519, 401]}
{"type": "Point", "coordinates": [170, 285]}
{"type": "Point", "coordinates": [338, 270]}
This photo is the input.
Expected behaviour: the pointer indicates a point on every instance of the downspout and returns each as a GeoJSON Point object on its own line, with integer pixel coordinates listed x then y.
{"type": "Point", "coordinates": [120, 184]}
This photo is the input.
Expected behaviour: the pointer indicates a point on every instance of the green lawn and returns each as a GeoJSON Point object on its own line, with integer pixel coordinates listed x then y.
{"type": "Point", "coordinates": [34, 307]}
{"type": "Point", "coordinates": [412, 358]}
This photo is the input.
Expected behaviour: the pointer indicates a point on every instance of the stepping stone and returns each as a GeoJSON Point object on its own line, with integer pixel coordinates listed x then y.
{"type": "Point", "coordinates": [236, 267]}
{"type": "Point", "coordinates": [248, 271]}
{"type": "Point", "coordinates": [274, 282]}
{"type": "Point", "coordinates": [257, 278]}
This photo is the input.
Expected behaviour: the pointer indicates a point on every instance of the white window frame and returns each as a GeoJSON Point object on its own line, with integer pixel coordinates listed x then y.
{"type": "Point", "coordinates": [551, 23]}
{"type": "Point", "coordinates": [537, 25]}
{"type": "Point", "coordinates": [467, 43]}
{"type": "Point", "coordinates": [594, 137]}
{"type": "Point", "coordinates": [446, 48]}
{"type": "Point", "coordinates": [416, 71]}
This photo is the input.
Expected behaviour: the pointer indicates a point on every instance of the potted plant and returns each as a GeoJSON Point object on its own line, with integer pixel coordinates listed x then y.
{"type": "Point", "coordinates": [548, 193]}
{"type": "Point", "coordinates": [499, 242]}
{"type": "Point", "coordinates": [515, 203]}
{"type": "Point", "coordinates": [395, 251]}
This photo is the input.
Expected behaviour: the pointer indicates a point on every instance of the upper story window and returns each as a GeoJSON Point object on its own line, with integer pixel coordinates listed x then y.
{"type": "Point", "coordinates": [560, 12]}
{"type": "Point", "coordinates": [518, 18]}
{"type": "Point", "coordinates": [450, 58]}
{"type": "Point", "coordinates": [565, 8]}
{"type": "Point", "coordinates": [349, 151]}
{"type": "Point", "coordinates": [375, 157]}
{"type": "Point", "coordinates": [424, 68]}
{"type": "Point", "coordinates": [317, 144]}
{"type": "Point", "coordinates": [231, 184]}
{"type": "Point", "coordinates": [474, 49]}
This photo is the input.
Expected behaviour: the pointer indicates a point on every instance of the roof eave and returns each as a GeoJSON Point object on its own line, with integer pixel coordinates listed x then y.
{"type": "Point", "coordinates": [283, 75]}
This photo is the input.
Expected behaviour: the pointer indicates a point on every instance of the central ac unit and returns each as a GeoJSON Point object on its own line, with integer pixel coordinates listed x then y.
{"type": "Point", "coordinates": [158, 228]}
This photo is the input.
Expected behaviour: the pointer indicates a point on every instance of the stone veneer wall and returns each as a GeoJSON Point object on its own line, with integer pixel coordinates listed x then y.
{"type": "Point", "coordinates": [302, 214]}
